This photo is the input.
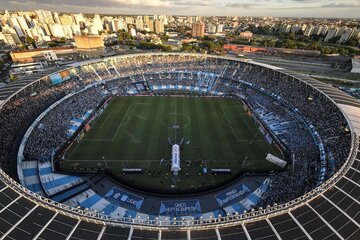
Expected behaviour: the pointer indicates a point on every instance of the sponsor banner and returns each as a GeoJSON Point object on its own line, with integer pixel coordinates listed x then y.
{"type": "Point", "coordinates": [180, 208]}
{"type": "Point", "coordinates": [60, 77]}
{"type": "Point", "coordinates": [269, 138]}
{"type": "Point", "coordinates": [120, 197]}
{"type": "Point", "coordinates": [235, 194]}
{"type": "Point", "coordinates": [56, 78]}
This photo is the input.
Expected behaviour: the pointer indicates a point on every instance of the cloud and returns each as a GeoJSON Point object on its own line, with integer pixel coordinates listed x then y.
{"type": "Point", "coordinates": [240, 5]}
{"type": "Point", "coordinates": [191, 2]}
{"type": "Point", "coordinates": [341, 5]}
{"type": "Point", "coordinates": [320, 8]}
{"type": "Point", "coordinates": [93, 3]}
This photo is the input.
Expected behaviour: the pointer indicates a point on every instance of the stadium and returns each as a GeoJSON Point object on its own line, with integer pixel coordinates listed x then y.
{"type": "Point", "coordinates": [178, 146]}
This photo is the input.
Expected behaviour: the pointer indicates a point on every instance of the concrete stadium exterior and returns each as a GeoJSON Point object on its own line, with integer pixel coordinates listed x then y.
{"type": "Point", "coordinates": [350, 108]}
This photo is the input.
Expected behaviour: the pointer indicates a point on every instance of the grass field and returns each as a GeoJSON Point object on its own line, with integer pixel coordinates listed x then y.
{"type": "Point", "coordinates": [134, 132]}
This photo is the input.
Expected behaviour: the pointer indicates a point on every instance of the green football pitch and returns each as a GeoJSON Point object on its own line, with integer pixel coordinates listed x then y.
{"type": "Point", "coordinates": [137, 132]}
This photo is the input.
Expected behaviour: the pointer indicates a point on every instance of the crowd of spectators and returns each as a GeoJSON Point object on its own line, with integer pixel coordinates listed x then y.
{"type": "Point", "coordinates": [301, 177]}
{"type": "Point", "coordinates": [52, 131]}
{"type": "Point", "coordinates": [231, 77]}
{"type": "Point", "coordinates": [18, 113]}
{"type": "Point", "coordinates": [313, 107]}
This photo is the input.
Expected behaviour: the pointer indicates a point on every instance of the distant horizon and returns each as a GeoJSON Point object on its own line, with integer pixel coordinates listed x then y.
{"type": "Point", "coordinates": [178, 15]}
{"type": "Point", "coordinates": [333, 9]}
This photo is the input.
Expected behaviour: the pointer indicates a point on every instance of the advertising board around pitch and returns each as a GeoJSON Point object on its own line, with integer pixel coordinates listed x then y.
{"type": "Point", "coordinates": [234, 194]}
{"type": "Point", "coordinates": [180, 208]}
{"type": "Point", "coordinates": [120, 197]}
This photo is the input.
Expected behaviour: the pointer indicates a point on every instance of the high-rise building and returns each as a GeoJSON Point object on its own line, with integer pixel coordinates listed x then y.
{"type": "Point", "coordinates": [7, 39]}
{"type": "Point", "coordinates": [325, 30]}
{"type": "Point", "coordinates": [121, 24]}
{"type": "Point", "coordinates": [44, 16]}
{"type": "Point", "coordinates": [198, 29]}
{"type": "Point", "coordinates": [129, 20]}
{"type": "Point", "coordinates": [68, 31]}
{"type": "Point", "coordinates": [211, 28]}
{"type": "Point", "coordinates": [151, 26]}
{"type": "Point", "coordinates": [66, 19]}
{"type": "Point", "coordinates": [56, 18]}
{"type": "Point", "coordinates": [132, 32]}
{"type": "Point", "coordinates": [318, 30]}
{"type": "Point", "coordinates": [79, 18]}
{"type": "Point", "coordinates": [10, 36]}
{"type": "Point", "coordinates": [147, 21]}
{"type": "Point", "coordinates": [219, 28]}
{"type": "Point", "coordinates": [341, 31]}
{"type": "Point", "coordinates": [139, 24]}
{"type": "Point", "coordinates": [285, 28]}
{"type": "Point", "coordinates": [115, 25]}
{"type": "Point", "coordinates": [346, 35]}
{"type": "Point", "coordinates": [57, 30]}
{"type": "Point", "coordinates": [97, 23]}
{"type": "Point", "coordinates": [331, 34]}
{"type": "Point", "coordinates": [309, 30]}
{"type": "Point", "coordinates": [13, 22]}
{"type": "Point", "coordinates": [159, 26]}
{"type": "Point", "coordinates": [295, 28]}
{"type": "Point", "coordinates": [23, 24]}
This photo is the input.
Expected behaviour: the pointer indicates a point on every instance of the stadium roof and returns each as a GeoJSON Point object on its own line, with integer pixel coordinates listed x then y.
{"type": "Point", "coordinates": [355, 64]}
{"type": "Point", "coordinates": [331, 211]}
{"type": "Point", "coordinates": [17, 85]}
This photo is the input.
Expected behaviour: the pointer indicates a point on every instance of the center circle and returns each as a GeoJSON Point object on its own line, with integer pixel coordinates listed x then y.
{"type": "Point", "coordinates": [176, 120]}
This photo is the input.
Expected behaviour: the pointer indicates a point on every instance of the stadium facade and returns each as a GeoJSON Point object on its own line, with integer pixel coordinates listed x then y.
{"type": "Point", "coordinates": [328, 211]}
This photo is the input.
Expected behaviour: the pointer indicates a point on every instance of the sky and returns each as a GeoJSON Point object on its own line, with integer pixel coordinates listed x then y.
{"type": "Point", "coordinates": [278, 8]}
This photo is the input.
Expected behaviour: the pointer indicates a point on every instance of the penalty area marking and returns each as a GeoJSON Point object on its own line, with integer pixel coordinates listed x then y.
{"type": "Point", "coordinates": [133, 138]}
{"type": "Point", "coordinates": [232, 129]}
{"type": "Point", "coordinates": [126, 115]}
{"type": "Point", "coordinates": [108, 114]}
{"type": "Point", "coordinates": [121, 123]}
{"type": "Point", "coordinates": [240, 113]}
{"type": "Point", "coordinates": [102, 124]}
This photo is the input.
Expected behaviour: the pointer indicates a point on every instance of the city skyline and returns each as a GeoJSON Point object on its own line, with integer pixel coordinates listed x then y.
{"type": "Point", "coordinates": [276, 8]}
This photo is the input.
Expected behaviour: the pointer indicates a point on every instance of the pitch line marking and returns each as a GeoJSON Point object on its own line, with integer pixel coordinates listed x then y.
{"type": "Point", "coordinates": [141, 117]}
{"type": "Point", "coordinates": [102, 124]}
{"type": "Point", "coordinates": [73, 151]}
{"type": "Point", "coordinates": [157, 160]}
{"type": "Point", "coordinates": [111, 111]}
{"type": "Point", "coordinates": [109, 140]}
{"type": "Point", "coordinates": [133, 138]}
{"type": "Point", "coordinates": [242, 114]}
{"type": "Point", "coordinates": [183, 114]}
{"type": "Point", "coordinates": [236, 137]}
{"type": "Point", "coordinates": [97, 140]}
{"type": "Point", "coordinates": [120, 125]}
{"type": "Point", "coordinates": [104, 140]}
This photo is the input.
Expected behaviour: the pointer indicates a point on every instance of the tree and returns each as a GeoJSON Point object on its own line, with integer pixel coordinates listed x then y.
{"type": "Point", "coordinates": [290, 44]}
{"type": "Point", "coordinates": [124, 36]}
{"type": "Point", "coordinates": [292, 36]}
{"type": "Point", "coordinates": [187, 48]}
{"type": "Point", "coordinates": [52, 44]}
{"type": "Point", "coordinates": [314, 46]}
{"type": "Point", "coordinates": [343, 51]}
{"type": "Point", "coordinates": [269, 43]}
{"type": "Point", "coordinates": [353, 41]}
{"type": "Point", "coordinates": [30, 40]}
{"type": "Point", "coordinates": [164, 38]}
